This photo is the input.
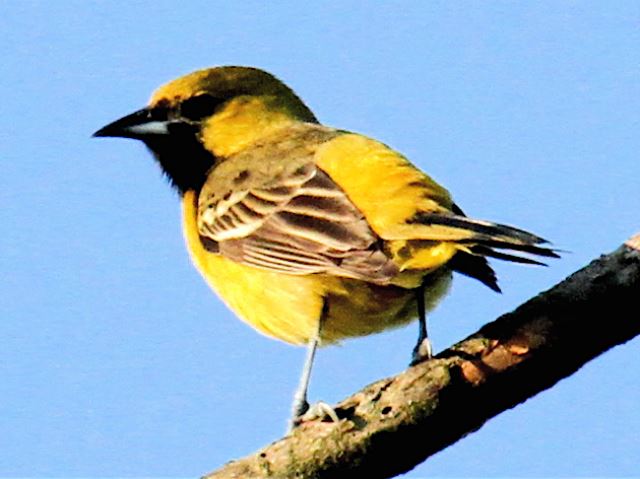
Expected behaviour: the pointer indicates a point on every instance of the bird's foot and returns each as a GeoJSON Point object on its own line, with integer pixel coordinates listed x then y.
{"type": "Point", "coordinates": [422, 352]}
{"type": "Point", "coordinates": [317, 410]}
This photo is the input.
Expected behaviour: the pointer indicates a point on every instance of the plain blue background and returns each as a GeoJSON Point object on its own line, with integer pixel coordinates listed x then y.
{"type": "Point", "coordinates": [116, 359]}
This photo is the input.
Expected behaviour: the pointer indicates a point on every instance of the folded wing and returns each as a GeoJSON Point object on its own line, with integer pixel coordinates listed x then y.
{"type": "Point", "coordinates": [300, 222]}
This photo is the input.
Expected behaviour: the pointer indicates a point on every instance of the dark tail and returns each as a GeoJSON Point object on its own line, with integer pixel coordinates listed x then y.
{"type": "Point", "coordinates": [490, 240]}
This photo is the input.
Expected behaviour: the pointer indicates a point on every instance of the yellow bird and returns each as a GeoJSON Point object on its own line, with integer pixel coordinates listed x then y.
{"type": "Point", "coordinates": [309, 233]}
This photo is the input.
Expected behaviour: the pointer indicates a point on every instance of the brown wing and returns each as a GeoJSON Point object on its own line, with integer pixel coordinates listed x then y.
{"type": "Point", "coordinates": [300, 222]}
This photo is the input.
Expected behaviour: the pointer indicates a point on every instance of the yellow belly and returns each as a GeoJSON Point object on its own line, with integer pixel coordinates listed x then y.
{"type": "Point", "coordinates": [288, 307]}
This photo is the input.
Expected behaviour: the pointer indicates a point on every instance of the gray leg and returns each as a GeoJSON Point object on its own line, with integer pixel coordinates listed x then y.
{"type": "Point", "coordinates": [422, 349]}
{"type": "Point", "coordinates": [300, 404]}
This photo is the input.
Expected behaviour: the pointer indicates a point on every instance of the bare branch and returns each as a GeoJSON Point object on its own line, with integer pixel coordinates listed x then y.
{"type": "Point", "coordinates": [394, 424]}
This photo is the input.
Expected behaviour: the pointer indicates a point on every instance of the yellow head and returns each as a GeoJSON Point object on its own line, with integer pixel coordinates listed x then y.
{"type": "Point", "coordinates": [199, 119]}
{"type": "Point", "coordinates": [228, 83]}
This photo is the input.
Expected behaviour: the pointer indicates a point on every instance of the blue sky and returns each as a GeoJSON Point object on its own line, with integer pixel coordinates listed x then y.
{"type": "Point", "coordinates": [117, 360]}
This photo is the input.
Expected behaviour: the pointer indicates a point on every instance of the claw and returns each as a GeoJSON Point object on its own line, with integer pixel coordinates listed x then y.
{"type": "Point", "coordinates": [320, 410]}
{"type": "Point", "coordinates": [316, 411]}
{"type": "Point", "coordinates": [422, 352]}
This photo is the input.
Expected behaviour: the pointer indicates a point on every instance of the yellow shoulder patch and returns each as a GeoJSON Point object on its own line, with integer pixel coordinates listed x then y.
{"type": "Point", "coordinates": [389, 191]}
{"type": "Point", "coordinates": [383, 184]}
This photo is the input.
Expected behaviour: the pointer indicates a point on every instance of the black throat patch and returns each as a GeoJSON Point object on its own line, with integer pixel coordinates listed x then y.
{"type": "Point", "coordinates": [183, 158]}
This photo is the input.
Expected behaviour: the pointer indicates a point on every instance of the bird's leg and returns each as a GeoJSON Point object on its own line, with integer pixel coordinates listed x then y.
{"type": "Point", "coordinates": [300, 404]}
{"type": "Point", "coordinates": [422, 349]}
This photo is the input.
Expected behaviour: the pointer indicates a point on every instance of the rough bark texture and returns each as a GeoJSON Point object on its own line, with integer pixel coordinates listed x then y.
{"type": "Point", "coordinates": [394, 424]}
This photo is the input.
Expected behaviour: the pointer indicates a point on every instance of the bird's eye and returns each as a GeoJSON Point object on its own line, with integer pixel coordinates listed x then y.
{"type": "Point", "coordinates": [198, 107]}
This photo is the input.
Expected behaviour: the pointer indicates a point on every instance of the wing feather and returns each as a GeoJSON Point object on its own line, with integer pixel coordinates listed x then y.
{"type": "Point", "coordinates": [298, 223]}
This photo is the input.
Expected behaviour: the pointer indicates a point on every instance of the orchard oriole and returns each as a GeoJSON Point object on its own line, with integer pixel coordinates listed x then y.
{"type": "Point", "coordinates": [309, 233]}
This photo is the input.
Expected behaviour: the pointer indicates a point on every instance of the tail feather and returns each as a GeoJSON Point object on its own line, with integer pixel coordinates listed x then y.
{"type": "Point", "coordinates": [524, 248]}
{"type": "Point", "coordinates": [483, 231]}
{"type": "Point", "coordinates": [486, 239]}
{"type": "Point", "coordinates": [476, 267]}
{"type": "Point", "coordinates": [488, 252]}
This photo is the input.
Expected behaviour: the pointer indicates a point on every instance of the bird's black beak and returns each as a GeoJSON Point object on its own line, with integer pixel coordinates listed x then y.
{"type": "Point", "coordinates": [138, 125]}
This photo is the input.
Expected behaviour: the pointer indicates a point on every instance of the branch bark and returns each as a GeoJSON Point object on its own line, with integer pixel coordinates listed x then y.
{"type": "Point", "coordinates": [394, 424]}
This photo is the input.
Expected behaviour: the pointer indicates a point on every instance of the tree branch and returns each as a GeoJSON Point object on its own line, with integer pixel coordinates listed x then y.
{"type": "Point", "coordinates": [394, 424]}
